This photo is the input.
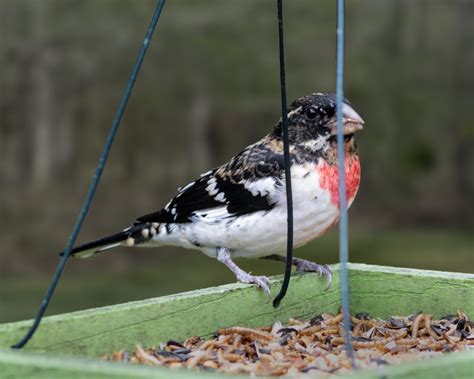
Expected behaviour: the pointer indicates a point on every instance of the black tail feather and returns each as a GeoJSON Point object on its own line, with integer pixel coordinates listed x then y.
{"type": "Point", "coordinates": [100, 243]}
{"type": "Point", "coordinates": [109, 242]}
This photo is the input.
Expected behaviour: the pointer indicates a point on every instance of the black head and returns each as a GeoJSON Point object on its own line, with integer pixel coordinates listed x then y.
{"type": "Point", "coordinates": [313, 117]}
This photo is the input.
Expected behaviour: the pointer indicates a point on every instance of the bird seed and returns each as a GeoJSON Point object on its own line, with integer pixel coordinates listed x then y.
{"type": "Point", "coordinates": [308, 348]}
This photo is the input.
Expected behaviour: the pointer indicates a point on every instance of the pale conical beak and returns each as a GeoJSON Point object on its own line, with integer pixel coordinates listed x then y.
{"type": "Point", "coordinates": [351, 119]}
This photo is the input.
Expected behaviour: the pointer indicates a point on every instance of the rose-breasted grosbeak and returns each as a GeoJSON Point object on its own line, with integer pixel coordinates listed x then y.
{"type": "Point", "coordinates": [239, 208]}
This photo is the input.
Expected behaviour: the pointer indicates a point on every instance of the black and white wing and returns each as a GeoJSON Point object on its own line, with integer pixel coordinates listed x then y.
{"type": "Point", "coordinates": [249, 183]}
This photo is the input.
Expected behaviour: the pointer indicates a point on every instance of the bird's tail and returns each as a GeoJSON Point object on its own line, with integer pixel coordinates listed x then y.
{"type": "Point", "coordinates": [106, 243]}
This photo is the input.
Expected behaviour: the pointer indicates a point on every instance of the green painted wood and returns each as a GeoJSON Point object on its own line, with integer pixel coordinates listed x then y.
{"type": "Point", "coordinates": [450, 366]}
{"type": "Point", "coordinates": [18, 364]}
{"type": "Point", "coordinates": [388, 291]}
{"type": "Point", "coordinates": [103, 330]}
{"type": "Point", "coordinates": [381, 291]}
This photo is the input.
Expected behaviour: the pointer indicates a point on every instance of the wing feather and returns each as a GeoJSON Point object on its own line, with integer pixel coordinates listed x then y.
{"type": "Point", "coordinates": [249, 183]}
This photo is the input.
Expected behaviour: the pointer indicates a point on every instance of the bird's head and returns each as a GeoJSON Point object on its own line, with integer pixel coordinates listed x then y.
{"type": "Point", "coordinates": [312, 119]}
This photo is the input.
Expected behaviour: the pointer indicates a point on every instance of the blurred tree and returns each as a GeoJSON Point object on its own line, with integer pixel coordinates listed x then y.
{"type": "Point", "coordinates": [40, 120]}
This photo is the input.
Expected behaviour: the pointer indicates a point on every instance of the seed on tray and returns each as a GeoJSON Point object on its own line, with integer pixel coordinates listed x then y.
{"type": "Point", "coordinates": [302, 348]}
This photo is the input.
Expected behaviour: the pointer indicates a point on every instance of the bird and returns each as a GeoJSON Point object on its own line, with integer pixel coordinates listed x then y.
{"type": "Point", "coordinates": [239, 209]}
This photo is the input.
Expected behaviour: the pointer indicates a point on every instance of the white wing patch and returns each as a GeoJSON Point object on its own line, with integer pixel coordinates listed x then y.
{"type": "Point", "coordinates": [220, 197]}
{"type": "Point", "coordinates": [211, 215]}
{"type": "Point", "coordinates": [211, 187]}
{"type": "Point", "coordinates": [262, 187]}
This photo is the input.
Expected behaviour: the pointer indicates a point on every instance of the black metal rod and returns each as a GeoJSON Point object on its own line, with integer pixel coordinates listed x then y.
{"type": "Point", "coordinates": [286, 151]}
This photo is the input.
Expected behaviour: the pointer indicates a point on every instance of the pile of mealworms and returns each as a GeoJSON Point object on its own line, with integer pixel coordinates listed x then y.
{"type": "Point", "coordinates": [302, 348]}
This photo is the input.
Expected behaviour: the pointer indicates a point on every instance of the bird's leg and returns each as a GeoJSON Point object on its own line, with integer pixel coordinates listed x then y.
{"type": "Point", "coordinates": [223, 256]}
{"type": "Point", "coordinates": [302, 265]}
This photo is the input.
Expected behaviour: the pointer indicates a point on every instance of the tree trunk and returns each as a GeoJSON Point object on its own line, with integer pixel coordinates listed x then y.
{"type": "Point", "coordinates": [41, 117]}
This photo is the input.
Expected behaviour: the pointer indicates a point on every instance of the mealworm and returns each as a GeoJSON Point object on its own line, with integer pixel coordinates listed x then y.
{"type": "Point", "coordinates": [246, 332]}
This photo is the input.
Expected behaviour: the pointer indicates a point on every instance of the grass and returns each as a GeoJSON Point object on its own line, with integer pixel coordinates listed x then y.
{"type": "Point", "coordinates": [154, 273]}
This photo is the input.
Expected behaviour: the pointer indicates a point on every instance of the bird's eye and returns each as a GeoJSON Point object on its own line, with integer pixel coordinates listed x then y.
{"type": "Point", "coordinates": [311, 113]}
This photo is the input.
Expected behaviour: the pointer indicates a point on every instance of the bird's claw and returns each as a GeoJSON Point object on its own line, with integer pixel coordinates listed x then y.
{"type": "Point", "coordinates": [261, 281]}
{"type": "Point", "coordinates": [302, 265]}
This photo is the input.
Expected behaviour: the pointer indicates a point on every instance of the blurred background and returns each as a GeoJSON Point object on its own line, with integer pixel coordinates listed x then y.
{"type": "Point", "coordinates": [209, 87]}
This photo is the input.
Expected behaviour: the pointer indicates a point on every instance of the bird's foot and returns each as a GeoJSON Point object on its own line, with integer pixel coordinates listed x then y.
{"type": "Point", "coordinates": [223, 255]}
{"type": "Point", "coordinates": [302, 265]}
{"type": "Point", "coordinates": [261, 281]}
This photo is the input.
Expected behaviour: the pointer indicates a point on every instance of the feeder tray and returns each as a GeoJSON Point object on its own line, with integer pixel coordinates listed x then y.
{"type": "Point", "coordinates": [72, 345]}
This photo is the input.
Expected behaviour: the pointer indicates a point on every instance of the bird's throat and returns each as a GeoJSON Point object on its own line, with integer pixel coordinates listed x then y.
{"type": "Point", "coordinates": [329, 178]}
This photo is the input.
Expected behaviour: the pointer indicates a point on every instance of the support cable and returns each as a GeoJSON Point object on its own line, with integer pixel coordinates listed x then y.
{"type": "Point", "coordinates": [98, 173]}
{"type": "Point", "coordinates": [286, 153]}
{"type": "Point", "coordinates": [343, 224]}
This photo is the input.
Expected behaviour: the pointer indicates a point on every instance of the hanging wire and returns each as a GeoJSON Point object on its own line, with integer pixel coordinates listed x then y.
{"type": "Point", "coordinates": [286, 152]}
{"type": "Point", "coordinates": [98, 173]}
{"type": "Point", "coordinates": [343, 226]}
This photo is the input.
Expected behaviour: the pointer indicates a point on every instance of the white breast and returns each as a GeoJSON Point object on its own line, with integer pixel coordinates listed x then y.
{"type": "Point", "coordinates": [262, 233]}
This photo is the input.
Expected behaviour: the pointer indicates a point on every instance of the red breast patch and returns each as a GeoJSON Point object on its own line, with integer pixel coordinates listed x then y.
{"type": "Point", "coordinates": [329, 176]}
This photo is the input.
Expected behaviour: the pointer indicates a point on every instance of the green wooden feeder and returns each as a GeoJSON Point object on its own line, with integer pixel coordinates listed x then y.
{"type": "Point", "coordinates": [70, 345]}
